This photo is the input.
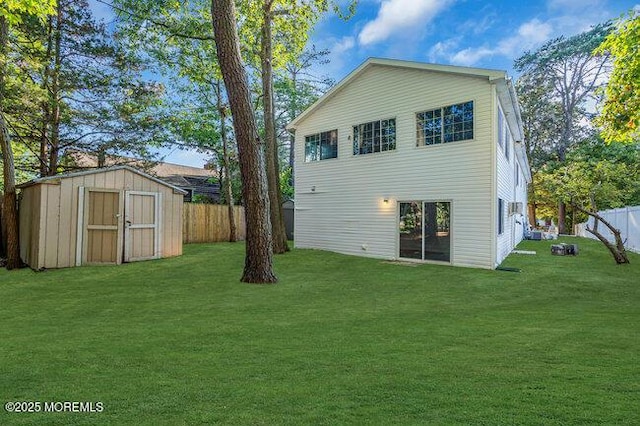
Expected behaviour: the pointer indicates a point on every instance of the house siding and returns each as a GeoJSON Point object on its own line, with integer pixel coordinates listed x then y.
{"type": "Point", "coordinates": [508, 191]}
{"type": "Point", "coordinates": [346, 213]}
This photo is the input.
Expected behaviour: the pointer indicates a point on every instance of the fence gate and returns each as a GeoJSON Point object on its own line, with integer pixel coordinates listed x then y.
{"type": "Point", "coordinates": [142, 225]}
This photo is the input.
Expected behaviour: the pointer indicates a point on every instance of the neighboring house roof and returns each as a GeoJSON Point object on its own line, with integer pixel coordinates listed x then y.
{"type": "Point", "coordinates": [160, 169]}
{"type": "Point", "coordinates": [53, 179]}
{"type": "Point", "coordinates": [504, 85]}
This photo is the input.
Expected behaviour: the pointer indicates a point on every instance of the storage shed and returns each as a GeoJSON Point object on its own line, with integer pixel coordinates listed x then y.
{"type": "Point", "coordinates": [102, 216]}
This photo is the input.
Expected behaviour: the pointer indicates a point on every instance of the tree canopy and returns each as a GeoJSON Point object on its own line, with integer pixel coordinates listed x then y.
{"type": "Point", "coordinates": [620, 115]}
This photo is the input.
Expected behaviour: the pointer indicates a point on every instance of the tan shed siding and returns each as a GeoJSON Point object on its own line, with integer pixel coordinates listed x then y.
{"type": "Point", "coordinates": [51, 197]}
{"type": "Point", "coordinates": [49, 216]}
{"type": "Point", "coordinates": [346, 211]}
{"type": "Point", "coordinates": [66, 229]}
{"type": "Point", "coordinates": [29, 214]}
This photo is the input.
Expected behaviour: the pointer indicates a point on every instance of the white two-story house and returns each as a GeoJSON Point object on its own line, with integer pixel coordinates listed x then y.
{"type": "Point", "coordinates": [413, 161]}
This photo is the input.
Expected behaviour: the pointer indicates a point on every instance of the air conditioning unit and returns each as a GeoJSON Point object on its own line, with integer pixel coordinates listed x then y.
{"type": "Point", "coordinates": [515, 207]}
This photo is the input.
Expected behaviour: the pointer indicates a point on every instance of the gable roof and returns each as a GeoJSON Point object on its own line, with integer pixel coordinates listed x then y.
{"type": "Point", "coordinates": [53, 179]}
{"type": "Point", "coordinates": [158, 168]}
{"type": "Point", "coordinates": [490, 74]}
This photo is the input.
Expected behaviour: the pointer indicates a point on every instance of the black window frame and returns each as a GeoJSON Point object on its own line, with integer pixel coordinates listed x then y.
{"type": "Point", "coordinates": [451, 123]}
{"type": "Point", "coordinates": [500, 216]}
{"type": "Point", "coordinates": [322, 141]}
{"type": "Point", "coordinates": [374, 136]}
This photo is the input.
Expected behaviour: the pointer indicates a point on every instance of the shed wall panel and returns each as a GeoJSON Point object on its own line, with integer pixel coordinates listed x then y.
{"type": "Point", "coordinates": [29, 225]}
{"type": "Point", "coordinates": [51, 193]}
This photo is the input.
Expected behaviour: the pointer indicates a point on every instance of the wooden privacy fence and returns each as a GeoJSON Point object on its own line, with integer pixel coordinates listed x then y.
{"type": "Point", "coordinates": [209, 223]}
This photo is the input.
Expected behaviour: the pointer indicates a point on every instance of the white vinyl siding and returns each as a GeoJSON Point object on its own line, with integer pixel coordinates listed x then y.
{"type": "Point", "coordinates": [509, 191]}
{"type": "Point", "coordinates": [339, 204]}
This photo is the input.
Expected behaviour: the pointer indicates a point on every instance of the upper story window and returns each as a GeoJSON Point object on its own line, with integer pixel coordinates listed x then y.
{"type": "Point", "coordinates": [504, 135]}
{"type": "Point", "coordinates": [375, 136]}
{"type": "Point", "coordinates": [448, 124]}
{"type": "Point", "coordinates": [501, 132]}
{"type": "Point", "coordinates": [321, 146]}
{"type": "Point", "coordinates": [507, 144]}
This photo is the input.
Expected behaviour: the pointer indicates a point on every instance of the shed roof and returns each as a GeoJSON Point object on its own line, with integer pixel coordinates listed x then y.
{"type": "Point", "coordinates": [158, 168]}
{"type": "Point", "coordinates": [53, 179]}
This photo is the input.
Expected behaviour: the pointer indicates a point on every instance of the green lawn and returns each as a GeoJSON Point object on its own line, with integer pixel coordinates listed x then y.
{"type": "Point", "coordinates": [340, 340]}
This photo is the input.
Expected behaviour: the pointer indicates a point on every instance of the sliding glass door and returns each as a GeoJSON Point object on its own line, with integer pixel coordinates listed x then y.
{"type": "Point", "coordinates": [425, 230]}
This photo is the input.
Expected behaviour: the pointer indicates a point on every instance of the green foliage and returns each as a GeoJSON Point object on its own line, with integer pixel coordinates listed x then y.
{"type": "Point", "coordinates": [14, 11]}
{"type": "Point", "coordinates": [286, 182]}
{"type": "Point", "coordinates": [292, 24]}
{"type": "Point", "coordinates": [608, 174]}
{"type": "Point", "coordinates": [557, 81]}
{"type": "Point", "coordinates": [561, 76]}
{"type": "Point", "coordinates": [620, 115]}
{"type": "Point", "coordinates": [72, 86]}
{"type": "Point", "coordinates": [340, 340]}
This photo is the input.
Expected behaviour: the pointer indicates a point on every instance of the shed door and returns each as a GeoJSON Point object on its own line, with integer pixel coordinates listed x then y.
{"type": "Point", "coordinates": [142, 225]}
{"type": "Point", "coordinates": [103, 227]}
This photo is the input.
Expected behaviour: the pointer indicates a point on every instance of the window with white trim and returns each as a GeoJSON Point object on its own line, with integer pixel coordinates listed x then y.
{"type": "Point", "coordinates": [447, 124]}
{"type": "Point", "coordinates": [375, 136]}
{"type": "Point", "coordinates": [321, 146]}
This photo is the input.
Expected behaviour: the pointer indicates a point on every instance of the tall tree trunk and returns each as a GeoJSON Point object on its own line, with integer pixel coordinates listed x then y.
{"type": "Point", "coordinates": [562, 218]}
{"type": "Point", "coordinates": [293, 114]}
{"type": "Point", "coordinates": [258, 267]}
{"type": "Point", "coordinates": [46, 104]}
{"type": "Point", "coordinates": [3, 232]}
{"type": "Point", "coordinates": [292, 137]}
{"type": "Point", "coordinates": [532, 214]}
{"type": "Point", "coordinates": [10, 210]}
{"type": "Point", "coordinates": [562, 157]}
{"type": "Point", "coordinates": [54, 149]}
{"type": "Point", "coordinates": [226, 169]}
{"type": "Point", "coordinates": [273, 174]}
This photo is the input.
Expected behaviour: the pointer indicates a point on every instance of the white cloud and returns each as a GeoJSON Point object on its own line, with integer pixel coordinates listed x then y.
{"type": "Point", "coordinates": [399, 16]}
{"type": "Point", "coordinates": [344, 44]}
{"type": "Point", "coordinates": [565, 5]}
{"type": "Point", "coordinates": [529, 35]}
{"type": "Point", "coordinates": [443, 48]}
{"type": "Point", "coordinates": [471, 56]}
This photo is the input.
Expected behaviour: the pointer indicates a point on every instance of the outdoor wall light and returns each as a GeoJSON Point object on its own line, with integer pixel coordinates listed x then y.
{"type": "Point", "coordinates": [385, 200]}
{"type": "Point", "coordinates": [313, 188]}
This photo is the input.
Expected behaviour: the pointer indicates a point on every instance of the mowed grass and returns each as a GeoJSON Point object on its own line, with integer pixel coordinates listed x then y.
{"type": "Point", "coordinates": [339, 340]}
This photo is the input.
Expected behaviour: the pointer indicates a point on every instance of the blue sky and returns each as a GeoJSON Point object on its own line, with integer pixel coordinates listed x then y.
{"type": "Point", "coordinates": [486, 34]}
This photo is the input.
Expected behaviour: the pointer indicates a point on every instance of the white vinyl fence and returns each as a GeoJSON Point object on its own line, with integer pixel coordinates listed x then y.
{"type": "Point", "coordinates": [626, 219]}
